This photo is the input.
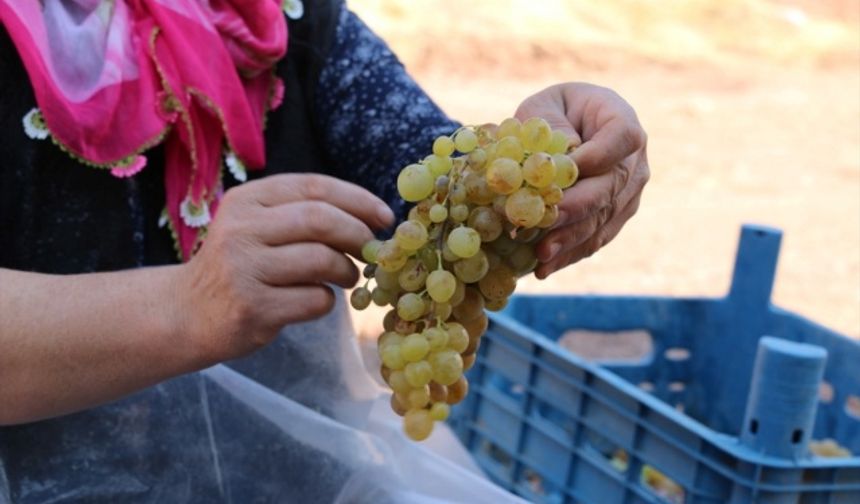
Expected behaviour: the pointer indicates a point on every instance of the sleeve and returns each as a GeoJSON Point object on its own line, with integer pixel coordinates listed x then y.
{"type": "Point", "coordinates": [374, 117]}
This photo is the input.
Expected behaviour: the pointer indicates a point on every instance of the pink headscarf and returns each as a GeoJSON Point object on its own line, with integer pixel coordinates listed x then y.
{"type": "Point", "coordinates": [115, 77]}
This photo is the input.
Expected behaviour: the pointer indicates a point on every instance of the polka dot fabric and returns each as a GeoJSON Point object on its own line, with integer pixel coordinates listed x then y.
{"type": "Point", "coordinates": [375, 118]}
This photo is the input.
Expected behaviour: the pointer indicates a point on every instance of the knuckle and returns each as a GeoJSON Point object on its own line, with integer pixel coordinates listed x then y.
{"type": "Point", "coordinates": [316, 218]}
{"type": "Point", "coordinates": [314, 187]}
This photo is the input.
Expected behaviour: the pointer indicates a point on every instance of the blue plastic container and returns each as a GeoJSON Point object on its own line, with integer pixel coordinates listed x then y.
{"type": "Point", "coordinates": [670, 427]}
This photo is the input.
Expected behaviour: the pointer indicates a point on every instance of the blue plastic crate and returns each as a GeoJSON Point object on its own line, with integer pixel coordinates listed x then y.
{"type": "Point", "coordinates": [554, 428]}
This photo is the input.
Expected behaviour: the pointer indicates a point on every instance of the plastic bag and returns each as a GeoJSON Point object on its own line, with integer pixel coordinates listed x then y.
{"type": "Point", "coordinates": [300, 421]}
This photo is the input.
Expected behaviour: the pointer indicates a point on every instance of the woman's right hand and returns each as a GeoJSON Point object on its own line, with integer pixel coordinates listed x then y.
{"type": "Point", "coordinates": [273, 246]}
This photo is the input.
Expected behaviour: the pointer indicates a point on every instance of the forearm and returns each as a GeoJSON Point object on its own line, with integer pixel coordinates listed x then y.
{"type": "Point", "coordinates": [72, 342]}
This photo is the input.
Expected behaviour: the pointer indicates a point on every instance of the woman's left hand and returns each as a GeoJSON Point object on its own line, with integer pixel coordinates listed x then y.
{"type": "Point", "coordinates": [613, 169]}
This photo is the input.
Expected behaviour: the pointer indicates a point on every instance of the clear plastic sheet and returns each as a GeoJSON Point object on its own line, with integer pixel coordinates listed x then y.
{"type": "Point", "coordinates": [300, 421]}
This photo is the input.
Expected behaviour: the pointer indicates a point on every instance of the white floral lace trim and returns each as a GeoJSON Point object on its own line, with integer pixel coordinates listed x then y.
{"type": "Point", "coordinates": [34, 125]}
{"type": "Point", "coordinates": [194, 216]}
{"type": "Point", "coordinates": [294, 9]}
{"type": "Point", "coordinates": [236, 167]}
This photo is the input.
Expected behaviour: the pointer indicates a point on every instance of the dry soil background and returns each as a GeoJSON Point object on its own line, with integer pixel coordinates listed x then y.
{"type": "Point", "coordinates": [752, 110]}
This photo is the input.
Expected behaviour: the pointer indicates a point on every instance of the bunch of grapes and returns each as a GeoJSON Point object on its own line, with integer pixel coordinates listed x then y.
{"type": "Point", "coordinates": [483, 198]}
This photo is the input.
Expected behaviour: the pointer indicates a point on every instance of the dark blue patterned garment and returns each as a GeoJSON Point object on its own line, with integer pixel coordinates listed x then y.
{"type": "Point", "coordinates": [375, 118]}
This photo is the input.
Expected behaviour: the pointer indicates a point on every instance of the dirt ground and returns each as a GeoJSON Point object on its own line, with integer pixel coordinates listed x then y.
{"type": "Point", "coordinates": [752, 109]}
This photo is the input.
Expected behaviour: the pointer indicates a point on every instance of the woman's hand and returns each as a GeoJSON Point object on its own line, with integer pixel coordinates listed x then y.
{"type": "Point", "coordinates": [613, 169]}
{"type": "Point", "coordinates": [272, 248]}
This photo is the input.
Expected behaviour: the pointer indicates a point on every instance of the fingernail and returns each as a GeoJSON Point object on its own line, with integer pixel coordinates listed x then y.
{"type": "Point", "coordinates": [553, 250]}
{"type": "Point", "coordinates": [385, 214]}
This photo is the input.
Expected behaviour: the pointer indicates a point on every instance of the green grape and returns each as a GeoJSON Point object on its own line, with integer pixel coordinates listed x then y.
{"type": "Point", "coordinates": [465, 140]}
{"type": "Point", "coordinates": [504, 245]}
{"type": "Point", "coordinates": [410, 235]}
{"type": "Point", "coordinates": [438, 213]}
{"type": "Point", "coordinates": [527, 235]}
{"type": "Point", "coordinates": [443, 310]}
{"type": "Point", "coordinates": [415, 183]}
{"type": "Point", "coordinates": [443, 146]}
{"type": "Point", "coordinates": [476, 327]}
{"type": "Point", "coordinates": [447, 366]}
{"type": "Point", "coordinates": [550, 215]}
{"type": "Point", "coordinates": [471, 308]}
{"type": "Point", "coordinates": [387, 279]}
{"type": "Point", "coordinates": [535, 134]}
{"type": "Point", "coordinates": [369, 250]}
{"type": "Point", "coordinates": [447, 254]}
{"type": "Point", "coordinates": [436, 337]}
{"type": "Point", "coordinates": [510, 147]}
{"type": "Point", "coordinates": [459, 213]}
{"type": "Point", "coordinates": [490, 154]}
{"type": "Point", "coordinates": [389, 320]}
{"type": "Point", "coordinates": [412, 276]}
{"type": "Point", "coordinates": [457, 193]}
{"type": "Point", "coordinates": [465, 241]}
{"type": "Point", "coordinates": [384, 372]}
{"type": "Point", "coordinates": [405, 327]}
{"type": "Point", "coordinates": [459, 294]}
{"type": "Point", "coordinates": [397, 382]}
{"type": "Point", "coordinates": [410, 306]}
{"type": "Point", "coordinates": [499, 204]}
{"type": "Point", "coordinates": [524, 208]}
{"type": "Point", "coordinates": [468, 362]}
{"type": "Point", "coordinates": [418, 373]}
{"type": "Point", "coordinates": [566, 171]}
{"type": "Point", "coordinates": [388, 338]}
{"type": "Point", "coordinates": [477, 190]}
{"type": "Point", "coordinates": [440, 411]}
{"type": "Point", "coordinates": [486, 222]}
{"type": "Point", "coordinates": [419, 397]}
{"type": "Point", "coordinates": [360, 298]}
{"type": "Point", "coordinates": [539, 169]}
{"type": "Point", "coordinates": [509, 127]}
{"type": "Point", "coordinates": [414, 215]}
{"type": "Point", "coordinates": [382, 297]}
{"type": "Point", "coordinates": [368, 271]}
{"type": "Point", "coordinates": [441, 285]}
{"type": "Point", "coordinates": [458, 338]}
{"type": "Point", "coordinates": [472, 269]}
{"type": "Point", "coordinates": [558, 143]}
{"type": "Point", "coordinates": [418, 424]}
{"type": "Point", "coordinates": [523, 259]}
{"type": "Point", "coordinates": [504, 176]}
{"type": "Point", "coordinates": [477, 159]}
{"type": "Point", "coordinates": [457, 391]}
{"type": "Point", "coordinates": [391, 357]}
{"type": "Point", "coordinates": [397, 404]}
{"type": "Point", "coordinates": [427, 256]}
{"type": "Point", "coordinates": [390, 257]}
{"type": "Point", "coordinates": [498, 283]}
{"type": "Point", "coordinates": [495, 305]}
{"type": "Point", "coordinates": [493, 259]}
{"type": "Point", "coordinates": [486, 133]}
{"type": "Point", "coordinates": [414, 347]}
{"type": "Point", "coordinates": [551, 194]}
{"type": "Point", "coordinates": [438, 393]}
{"type": "Point", "coordinates": [441, 187]}
{"type": "Point", "coordinates": [438, 165]}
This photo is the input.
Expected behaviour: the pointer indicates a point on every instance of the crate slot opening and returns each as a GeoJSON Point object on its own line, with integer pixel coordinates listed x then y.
{"type": "Point", "coordinates": [496, 453]}
{"type": "Point", "coordinates": [615, 456]}
{"type": "Point", "coordinates": [633, 347]}
{"type": "Point", "coordinates": [754, 426]}
{"type": "Point", "coordinates": [796, 436]}
{"type": "Point", "coordinates": [825, 392]}
{"type": "Point", "coordinates": [647, 386]}
{"type": "Point", "coordinates": [661, 486]}
{"type": "Point", "coordinates": [852, 406]}
{"type": "Point", "coordinates": [677, 354]}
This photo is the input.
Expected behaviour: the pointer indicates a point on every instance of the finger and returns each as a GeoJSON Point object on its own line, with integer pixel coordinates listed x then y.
{"type": "Point", "coordinates": [306, 263]}
{"type": "Point", "coordinates": [288, 188]}
{"type": "Point", "coordinates": [587, 206]}
{"type": "Point", "coordinates": [313, 221]}
{"type": "Point", "coordinates": [298, 303]}
{"type": "Point", "coordinates": [595, 242]}
{"type": "Point", "coordinates": [617, 138]}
